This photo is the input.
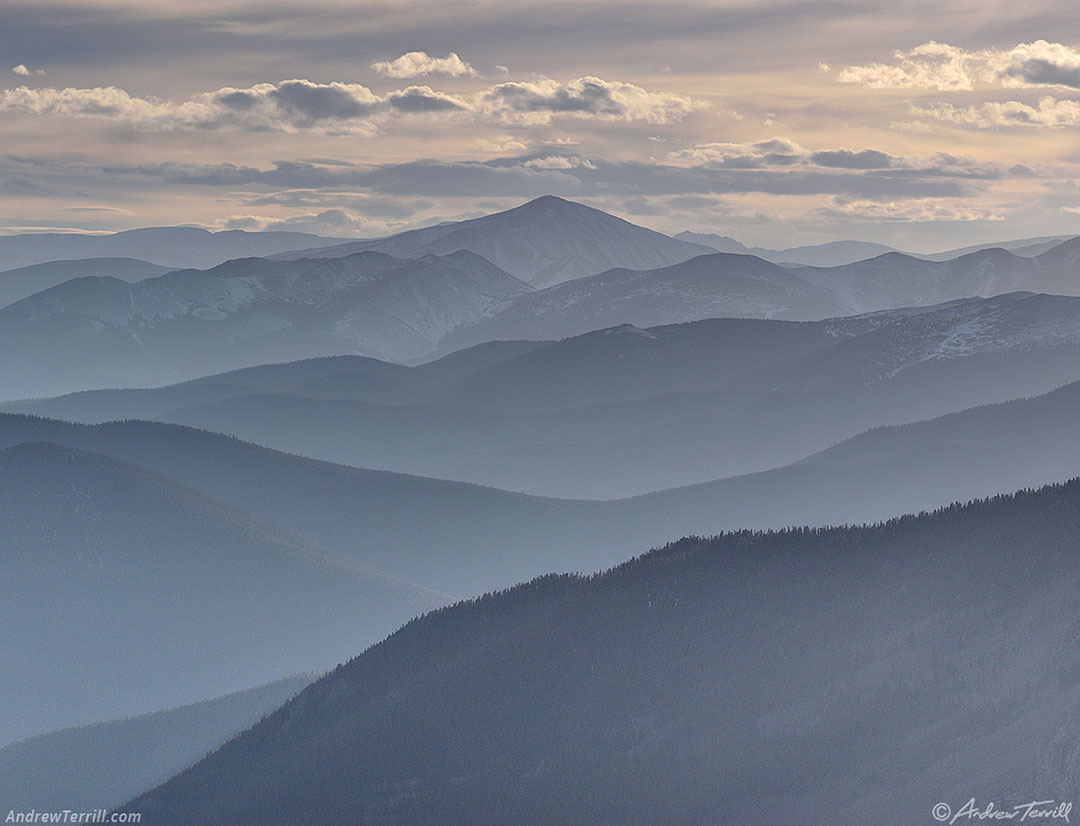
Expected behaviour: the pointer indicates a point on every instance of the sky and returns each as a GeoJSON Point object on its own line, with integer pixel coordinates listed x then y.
{"type": "Point", "coordinates": [923, 125]}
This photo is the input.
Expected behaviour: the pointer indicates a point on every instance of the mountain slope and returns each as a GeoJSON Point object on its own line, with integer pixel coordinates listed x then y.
{"type": "Point", "coordinates": [126, 592]}
{"type": "Point", "coordinates": [818, 676]}
{"type": "Point", "coordinates": [94, 332]}
{"type": "Point", "coordinates": [748, 286]}
{"type": "Point", "coordinates": [626, 411]}
{"type": "Point", "coordinates": [172, 247]}
{"type": "Point", "coordinates": [720, 243]}
{"type": "Point", "coordinates": [896, 280]}
{"type": "Point", "coordinates": [1026, 247]}
{"type": "Point", "coordinates": [104, 764]}
{"type": "Point", "coordinates": [454, 537]}
{"type": "Point", "coordinates": [709, 286]}
{"type": "Point", "coordinates": [831, 254]}
{"type": "Point", "coordinates": [544, 242]}
{"type": "Point", "coordinates": [25, 281]}
{"type": "Point", "coordinates": [466, 539]}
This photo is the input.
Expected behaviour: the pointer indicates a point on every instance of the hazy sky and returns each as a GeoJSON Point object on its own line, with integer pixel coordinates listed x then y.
{"type": "Point", "coordinates": [924, 125]}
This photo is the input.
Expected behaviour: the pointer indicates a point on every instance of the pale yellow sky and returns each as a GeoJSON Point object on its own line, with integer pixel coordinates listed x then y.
{"type": "Point", "coordinates": [921, 125]}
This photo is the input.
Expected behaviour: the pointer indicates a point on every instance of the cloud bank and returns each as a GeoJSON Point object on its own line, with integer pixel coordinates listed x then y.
{"type": "Point", "coordinates": [297, 104]}
{"type": "Point", "coordinates": [946, 68]}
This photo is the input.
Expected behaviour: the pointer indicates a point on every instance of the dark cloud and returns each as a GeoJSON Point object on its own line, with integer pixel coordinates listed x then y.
{"type": "Point", "coordinates": [420, 99]}
{"type": "Point", "coordinates": [846, 159]}
{"type": "Point", "coordinates": [316, 102]}
{"type": "Point", "coordinates": [592, 97]}
{"type": "Point", "coordinates": [521, 177]}
{"type": "Point", "coordinates": [1041, 71]}
{"type": "Point", "coordinates": [239, 100]}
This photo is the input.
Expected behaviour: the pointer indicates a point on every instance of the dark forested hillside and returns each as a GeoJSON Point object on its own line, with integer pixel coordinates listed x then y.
{"type": "Point", "coordinates": [808, 676]}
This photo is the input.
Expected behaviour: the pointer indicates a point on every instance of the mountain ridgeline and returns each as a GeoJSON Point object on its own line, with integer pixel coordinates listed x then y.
{"type": "Point", "coordinates": [102, 332]}
{"type": "Point", "coordinates": [171, 247]}
{"type": "Point", "coordinates": [802, 676]}
{"type": "Point", "coordinates": [628, 410]}
{"type": "Point", "coordinates": [428, 292]}
{"type": "Point", "coordinates": [544, 242]}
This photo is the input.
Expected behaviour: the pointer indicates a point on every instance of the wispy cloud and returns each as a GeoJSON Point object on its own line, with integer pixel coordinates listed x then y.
{"type": "Point", "coordinates": [913, 211]}
{"type": "Point", "coordinates": [1048, 112]}
{"type": "Point", "coordinates": [327, 222]}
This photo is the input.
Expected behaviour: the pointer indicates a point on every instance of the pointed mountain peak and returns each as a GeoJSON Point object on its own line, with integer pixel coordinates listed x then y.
{"type": "Point", "coordinates": [551, 204]}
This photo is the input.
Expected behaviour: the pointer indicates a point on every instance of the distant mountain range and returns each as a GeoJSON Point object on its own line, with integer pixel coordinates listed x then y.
{"type": "Point", "coordinates": [25, 281]}
{"type": "Point", "coordinates": [802, 676]}
{"type": "Point", "coordinates": [831, 254]}
{"type": "Point", "coordinates": [460, 538]}
{"type": "Point", "coordinates": [709, 286]}
{"type": "Point", "coordinates": [102, 332]}
{"type": "Point", "coordinates": [463, 538]}
{"type": "Point", "coordinates": [146, 594]}
{"type": "Point", "coordinates": [726, 285]}
{"type": "Point", "coordinates": [628, 410]}
{"type": "Point", "coordinates": [415, 304]}
{"type": "Point", "coordinates": [544, 242]}
{"type": "Point", "coordinates": [172, 247]}
{"type": "Point", "coordinates": [838, 253]}
{"type": "Point", "coordinates": [899, 280]}
{"type": "Point", "coordinates": [105, 764]}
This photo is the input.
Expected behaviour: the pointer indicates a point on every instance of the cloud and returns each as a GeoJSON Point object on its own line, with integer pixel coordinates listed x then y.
{"type": "Point", "coordinates": [931, 65]}
{"type": "Point", "coordinates": [913, 211]}
{"type": "Point", "coordinates": [782, 152]}
{"type": "Point", "coordinates": [1040, 64]}
{"type": "Point", "coordinates": [20, 69]}
{"type": "Point", "coordinates": [104, 102]}
{"type": "Point", "coordinates": [332, 222]}
{"type": "Point", "coordinates": [350, 108]}
{"type": "Point", "coordinates": [309, 102]}
{"type": "Point", "coordinates": [110, 209]}
{"type": "Point", "coordinates": [419, 99]}
{"type": "Point", "coordinates": [500, 145]}
{"type": "Point", "coordinates": [848, 159]}
{"type": "Point", "coordinates": [1049, 112]}
{"type": "Point", "coordinates": [312, 187]}
{"type": "Point", "coordinates": [560, 162]}
{"type": "Point", "coordinates": [947, 68]}
{"type": "Point", "coordinates": [911, 127]}
{"type": "Point", "coordinates": [418, 64]}
{"type": "Point", "coordinates": [538, 100]}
